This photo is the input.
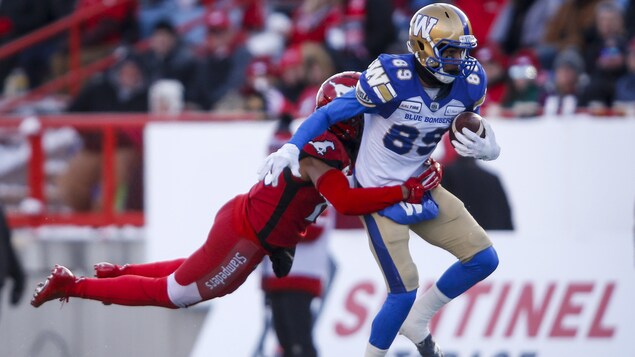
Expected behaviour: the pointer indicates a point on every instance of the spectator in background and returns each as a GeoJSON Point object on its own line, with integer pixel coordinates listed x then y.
{"type": "Point", "coordinates": [224, 61]}
{"type": "Point", "coordinates": [313, 20]}
{"type": "Point", "coordinates": [291, 73]}
{"type": "Point", "coordinates": [481, 191]}
{"type": "Point", "coordinates": [259, 94]}
{"type": "Point", "coordinates": [178, 12]}
{"type": "Point", "coordinates": [566, 29]}
{"type": "Point", "coordinates": [18, 18]}
{"type": "Point", "coordinates": [121, 90]}
{"type": "Point", "coordinates": [494, 63]}
{"type": "Point", "coordinates": [625, 86]}
{"type": "Point", "coordinates": [166, 97]}
{"type": "Point", "coordinates": [101, 34]}
{"type": "Point", "coordinates": [605, 56]}
{"type": "Point", "coordinates": [318, 66]}
{"type": "Point", "coordinates": [366, 31]}
{"type": "Point", "coordinates": [483, 15]}
{"type": "Point", "coordinates": [169, 58]}
{"type": "Point", "coordinates": [522, 96]}
{"type": "Point", "coordinates": [290, 298]}
{"type": "Point", "coordinates": [564, 92]}
{"type": "Point", "coordinates": [10, 266]}
{"type": "Point", "coordinates": [521, 24]}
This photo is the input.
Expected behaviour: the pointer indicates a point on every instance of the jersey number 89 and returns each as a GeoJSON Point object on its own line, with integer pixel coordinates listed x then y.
{"type": "Point", "coordinates": [401, 138]}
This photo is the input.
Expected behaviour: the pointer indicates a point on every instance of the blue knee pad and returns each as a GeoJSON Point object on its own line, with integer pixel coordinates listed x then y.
{"type": "Point", "coordinates": [462, 276]}
{"type": "Point", "coordinates": [388, 320]}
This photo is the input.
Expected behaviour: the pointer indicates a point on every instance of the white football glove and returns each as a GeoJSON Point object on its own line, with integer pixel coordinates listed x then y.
{"type": "Point", "coordinates": [469, 144]}
{"type": "Point", "coordinates": [287, 155]}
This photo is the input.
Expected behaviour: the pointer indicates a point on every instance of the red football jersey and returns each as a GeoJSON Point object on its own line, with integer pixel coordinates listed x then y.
{"type": "Point", "coordinates": [280, 215]}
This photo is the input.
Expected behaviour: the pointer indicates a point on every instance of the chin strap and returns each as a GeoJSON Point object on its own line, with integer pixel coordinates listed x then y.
{"type": "Point", "coordinates": [427, 76]}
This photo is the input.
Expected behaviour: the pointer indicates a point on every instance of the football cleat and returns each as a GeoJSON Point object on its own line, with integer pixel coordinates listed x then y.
{"type": "Point", "coordinates": [429, 348]}
{"type": "Point", "coordinates": [108, 270]}
{"type": "Point", "coordinates": [55, 286]}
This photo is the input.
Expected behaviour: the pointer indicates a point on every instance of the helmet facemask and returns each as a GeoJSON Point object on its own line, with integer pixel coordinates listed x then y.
{"type": "Point", "coordinates": [464, 63]}
{"type": "Point", "coordinates": [349, 130]}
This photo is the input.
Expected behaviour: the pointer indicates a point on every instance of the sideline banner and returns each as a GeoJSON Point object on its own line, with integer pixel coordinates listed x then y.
{"type": "Point", "coordinates": [543, 301]}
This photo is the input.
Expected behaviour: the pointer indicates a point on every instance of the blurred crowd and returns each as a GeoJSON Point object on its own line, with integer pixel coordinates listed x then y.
{"type": "Point", "coordinates": [269, 57]}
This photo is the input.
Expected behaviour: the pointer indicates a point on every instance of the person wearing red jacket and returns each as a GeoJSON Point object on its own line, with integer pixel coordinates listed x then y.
{"type": "Point", "coordinates": [269, 220]}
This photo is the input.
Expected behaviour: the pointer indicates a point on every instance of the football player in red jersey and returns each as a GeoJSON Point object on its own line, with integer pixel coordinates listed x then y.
{"type": "Point", "coordinates": [269, 220]}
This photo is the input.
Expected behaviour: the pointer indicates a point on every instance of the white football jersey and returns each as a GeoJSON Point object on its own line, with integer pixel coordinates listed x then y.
{"type": "Point", "coordinates": [403, 124]}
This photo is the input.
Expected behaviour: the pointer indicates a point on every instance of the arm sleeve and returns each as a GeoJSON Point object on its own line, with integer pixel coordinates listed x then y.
{"type": "Point", "coordinates": [339, 109]}
{"type": "Point", "coordinates": [356, 201]}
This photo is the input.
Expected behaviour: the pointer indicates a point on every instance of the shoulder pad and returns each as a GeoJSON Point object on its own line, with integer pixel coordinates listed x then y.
{"type": "Point", "coordinates": [476, 84]}
{"type": "Point", "coordinates": [327, 148]}
{"type": "Point", "coordinates": [384, 80]}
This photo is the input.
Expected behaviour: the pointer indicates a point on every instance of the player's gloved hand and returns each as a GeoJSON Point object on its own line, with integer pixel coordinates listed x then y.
{"type": "Point", "coordinates": [428, 180]}
{"type": "Point", "coordinates": [469, 144]}
{"type": "Point", "coordinates": [282, 261]}
{"type": "Point", "coordinates": [287, 155]}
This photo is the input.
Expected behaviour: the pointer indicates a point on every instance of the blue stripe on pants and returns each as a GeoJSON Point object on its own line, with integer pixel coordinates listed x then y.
{"type": "Point", "coordinates": [386, 263]}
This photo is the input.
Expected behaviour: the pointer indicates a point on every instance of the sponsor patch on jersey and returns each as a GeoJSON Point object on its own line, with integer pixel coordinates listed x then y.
{"type": "Point", "coordinates": [411, 106]}
{"type": "Point", "coordinates": [322, 146]}
{"type": "Point", "coordinates": [454, 110]}
{"type": "Point", "coordinates": [362, 97]}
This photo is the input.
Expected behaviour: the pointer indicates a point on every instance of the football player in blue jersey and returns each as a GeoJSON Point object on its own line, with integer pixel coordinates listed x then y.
{"type": "Point", "coordinates": [409, 101]}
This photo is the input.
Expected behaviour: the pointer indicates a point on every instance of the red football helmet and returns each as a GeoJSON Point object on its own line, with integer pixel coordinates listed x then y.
{"type": "Point", "coordinates": [336, 86]}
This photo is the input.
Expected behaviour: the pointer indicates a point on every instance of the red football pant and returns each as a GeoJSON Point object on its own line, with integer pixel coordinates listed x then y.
{"type": "Point", "coordinates": [219, 267]}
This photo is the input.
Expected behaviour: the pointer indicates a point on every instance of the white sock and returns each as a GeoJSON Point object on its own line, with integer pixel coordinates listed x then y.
{"type": "Point", "coordinates": [372, 351]}
{"type": "Point", "coordinates": [416, 326]}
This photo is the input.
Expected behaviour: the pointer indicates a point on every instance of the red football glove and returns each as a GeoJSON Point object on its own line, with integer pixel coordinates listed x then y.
{"type": "Point", "coordinates": [428, 180]}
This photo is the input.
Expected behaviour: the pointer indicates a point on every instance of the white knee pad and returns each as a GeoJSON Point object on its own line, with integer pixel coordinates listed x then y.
{"type": "Point", "coordinates": [182, 296]}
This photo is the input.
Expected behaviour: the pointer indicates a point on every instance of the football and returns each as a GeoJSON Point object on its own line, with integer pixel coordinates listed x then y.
{"type": "Point", "coordinates": [469, 120]}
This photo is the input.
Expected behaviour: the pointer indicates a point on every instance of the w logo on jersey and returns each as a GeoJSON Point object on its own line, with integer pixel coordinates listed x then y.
{"type": "Point", "coordinates": [422, 25]}
{"type": "Point", "coordinates": [340, 89]}
{"type": "Point", "coordinates": [322, 146]}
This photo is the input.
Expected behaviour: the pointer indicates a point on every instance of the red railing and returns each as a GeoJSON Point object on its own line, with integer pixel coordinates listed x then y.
{"type": "Point", "coordinates": [72, 23]}
{"type": "Point", "coordinates": [33, 128]}
{"type": "Point", "coordinates": [76, 74]}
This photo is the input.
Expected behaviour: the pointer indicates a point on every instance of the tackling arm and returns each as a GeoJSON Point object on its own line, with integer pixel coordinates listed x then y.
{"type": "Point", "coordinates": [334, 186]}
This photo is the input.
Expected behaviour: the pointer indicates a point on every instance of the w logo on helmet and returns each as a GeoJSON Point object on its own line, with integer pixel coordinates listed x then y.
{"type": "Point", "coordinates": [422, 25]}
{"type": "Point", "coordinates": [322, 146]}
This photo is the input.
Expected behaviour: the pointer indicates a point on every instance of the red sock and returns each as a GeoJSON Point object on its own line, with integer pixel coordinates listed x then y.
{"type": "Point", "coordinates": [129, 290]}
{"type": "Point", "coordinates": [153, 270]}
